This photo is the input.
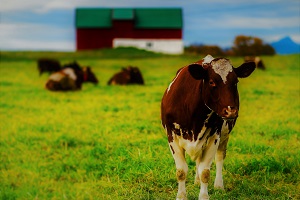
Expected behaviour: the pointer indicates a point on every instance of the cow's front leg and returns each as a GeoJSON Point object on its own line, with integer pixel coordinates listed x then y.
{"type": "Point", "coordinates": [197, 177]}
{"type": "Point", "coordinates": [219, 158]}
{"type": "Point", "coordinates": [181, 169]}
{"type": "Point", "coordinates": [205, 163]}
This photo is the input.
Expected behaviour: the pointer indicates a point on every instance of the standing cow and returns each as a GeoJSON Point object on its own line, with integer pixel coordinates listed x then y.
{"type": "Point", "coordinates": [70, 78]}
{"type": "Point", "coordinates": [48, 65]}
{"type": "Point", "coordinates": [198, 111]}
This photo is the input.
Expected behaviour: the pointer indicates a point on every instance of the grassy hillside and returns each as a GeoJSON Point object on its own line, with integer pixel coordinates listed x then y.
{"type": "Point", "coordinates": [106, 142]}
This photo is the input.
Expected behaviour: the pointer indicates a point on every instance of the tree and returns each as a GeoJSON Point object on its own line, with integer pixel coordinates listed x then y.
{"type": "Point", "coordinates": [251, 46]}
{"type": "Point", "coordinates": [204, 49]}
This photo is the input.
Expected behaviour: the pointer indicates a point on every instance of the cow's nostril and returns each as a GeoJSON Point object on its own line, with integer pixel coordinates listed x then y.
{"type": "Point", "coordinates": [229, 112]}
{"type": "Point", "coordinates": [225, 111]}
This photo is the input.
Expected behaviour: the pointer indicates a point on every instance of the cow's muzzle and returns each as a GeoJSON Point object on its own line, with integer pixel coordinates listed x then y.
{"type": "Point", "coordinates": [229, 113]}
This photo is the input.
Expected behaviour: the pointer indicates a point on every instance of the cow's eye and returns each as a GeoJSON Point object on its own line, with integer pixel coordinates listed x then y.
{"type": "Point", "coordinates": [212, 83]}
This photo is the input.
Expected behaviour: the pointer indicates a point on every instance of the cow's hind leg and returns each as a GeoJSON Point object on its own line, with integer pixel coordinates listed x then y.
{"type": "Point", "coordinates": [181, 169]}
{"type": "Point", "coordinates": [204, 166]}
{"type": "Point", "coordinates": [197, 177]}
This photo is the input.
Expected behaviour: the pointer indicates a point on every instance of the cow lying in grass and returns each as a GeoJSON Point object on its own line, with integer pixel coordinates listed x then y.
{"type": "Point", "coordinates": [128, 75]}
{"type": "Point", "coordinates": [258, 61]}
{"type": "Point", "coordinates": [70, 77]}
{"type": "Point", "coordinates": [198, 111]}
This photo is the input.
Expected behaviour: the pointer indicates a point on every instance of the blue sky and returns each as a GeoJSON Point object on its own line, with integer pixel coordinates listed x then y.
{"type": "Point", "coordinates": [49, 24]}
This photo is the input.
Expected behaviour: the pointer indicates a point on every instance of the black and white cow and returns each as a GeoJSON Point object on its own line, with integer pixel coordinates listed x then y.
{"type": "Point", "coordinates": [198, 111]}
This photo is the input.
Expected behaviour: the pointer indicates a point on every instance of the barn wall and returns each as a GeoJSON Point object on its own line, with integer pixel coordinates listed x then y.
{"type": "Point", "coordinates": [123, 28]}
{"type": "Point", "coordinates": [93, 38]}
{"type": "Point", "coordinates": [169, 46]}
{"type": "Point", "coordinates": [157, 33]}
{"type": "Point", "coordinates": [97, 38]}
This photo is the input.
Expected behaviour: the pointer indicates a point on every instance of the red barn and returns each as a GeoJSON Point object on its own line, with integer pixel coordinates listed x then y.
{"type": "Point", "coordinates": [154, 29]}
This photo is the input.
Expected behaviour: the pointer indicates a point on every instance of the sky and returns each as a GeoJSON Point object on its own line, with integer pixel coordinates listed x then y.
{"type": "Point", "coordinates": [50, 24]}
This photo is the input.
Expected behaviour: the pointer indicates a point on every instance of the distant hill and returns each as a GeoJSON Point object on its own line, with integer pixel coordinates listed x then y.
{"type": "Point", "coordinates": [286, 46]}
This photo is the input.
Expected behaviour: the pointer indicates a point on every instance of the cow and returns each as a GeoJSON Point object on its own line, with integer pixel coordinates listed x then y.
{"type": "Point", "coordinates": [258, 61]}
{"type": "Point", "coordinates": [128, 75]}
{"type": "Point", "coordinates": [198, 111]}
{"type": "Point", "coordinates": [48, 65]}
{"type": "Point", "coordinates": [70, 78]}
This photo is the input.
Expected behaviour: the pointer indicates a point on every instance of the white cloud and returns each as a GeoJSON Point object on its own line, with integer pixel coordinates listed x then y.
{"type": "Point", "coordinates": [262, 23]}
{"type": "Point", "coordinates": [41, 6]}
{"type": "Point", "coordinates": [274, 38]}
{"type": "Point", "coordinates": [36, 37]}
{"type": "Point", "coordinates": [16, 5]}
{"type": "Point", "coordinates": [19, 44]}
{"type": "Point", "coordinates": [243, 22]}
{"type": "Point", "coordinates": [296, 38]}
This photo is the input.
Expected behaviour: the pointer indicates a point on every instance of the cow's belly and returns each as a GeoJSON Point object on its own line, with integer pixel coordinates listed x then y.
{"type": "Point", "coordinates": [204, 140]}
{"type": "Point", "coordinates": [195, 148]}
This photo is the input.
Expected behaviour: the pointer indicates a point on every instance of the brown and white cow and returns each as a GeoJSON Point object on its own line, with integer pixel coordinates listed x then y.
{"type": "Point", "coordinates": [128, 75]}
{"type": "Point", "coordinates": [258, 61]}
{"type": "Point", "coordinates": [70, 77]}
{"type": "Point", "coordinates": [198, 111]}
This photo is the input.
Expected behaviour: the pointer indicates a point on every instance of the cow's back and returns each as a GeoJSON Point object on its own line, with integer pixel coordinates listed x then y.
{"type": "Point", "coordinates": [120, 78]}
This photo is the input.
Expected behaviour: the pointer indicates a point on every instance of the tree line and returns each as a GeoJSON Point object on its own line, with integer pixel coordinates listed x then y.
{"type": "Point", "coordinates": [242, 46]}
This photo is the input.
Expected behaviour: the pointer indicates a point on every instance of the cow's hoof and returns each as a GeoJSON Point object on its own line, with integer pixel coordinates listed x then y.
{"type": "Point", "coordinates": [203, 197]}
{"type": "Point", "coordinates": [181, 196]}
{"type": "Point", "coordinates": [219, 187]}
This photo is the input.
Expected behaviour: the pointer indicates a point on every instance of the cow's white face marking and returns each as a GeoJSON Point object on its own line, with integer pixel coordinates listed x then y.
{"type": "Point", "coordinates": [70, 72]}
{"type": "Point", "coordinates": [173, 81]}
{"type": "Point", "coordinates": [207, 59]}
{"type": "Point", "coordinates": [222, 67]}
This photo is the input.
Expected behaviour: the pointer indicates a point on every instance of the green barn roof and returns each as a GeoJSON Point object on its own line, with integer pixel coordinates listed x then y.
{"type": "Point", "coordinates": [93, 17]}
{"type": "Point", "coordinates": [158, 18]}
{"type": "Point", "coordinates": [144, 18]}
{"type": "Point", "coordinates": [123, 14]}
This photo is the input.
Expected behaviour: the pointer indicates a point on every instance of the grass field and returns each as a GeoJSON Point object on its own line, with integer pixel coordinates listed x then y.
{"type": "Point", "coordinates": [106, 142]}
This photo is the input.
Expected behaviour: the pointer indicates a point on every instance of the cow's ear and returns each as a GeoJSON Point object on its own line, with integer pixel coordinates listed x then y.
{"type": "Point", "coordinates": [245, 69]}
{"type": "Point", "coordinates": [197, 71]}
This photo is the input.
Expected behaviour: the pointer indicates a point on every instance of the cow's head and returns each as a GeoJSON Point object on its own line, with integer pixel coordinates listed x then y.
{"type": "Point", "coordinates": [219, 88]}
{"type": "Point", "coordinates": [89, 76]}
{"type": "Point", "coordinates": [135, 75]}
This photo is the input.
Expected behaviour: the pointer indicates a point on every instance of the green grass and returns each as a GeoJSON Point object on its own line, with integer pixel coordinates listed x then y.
{"type": "Point", "coordinates": [107, 142]}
